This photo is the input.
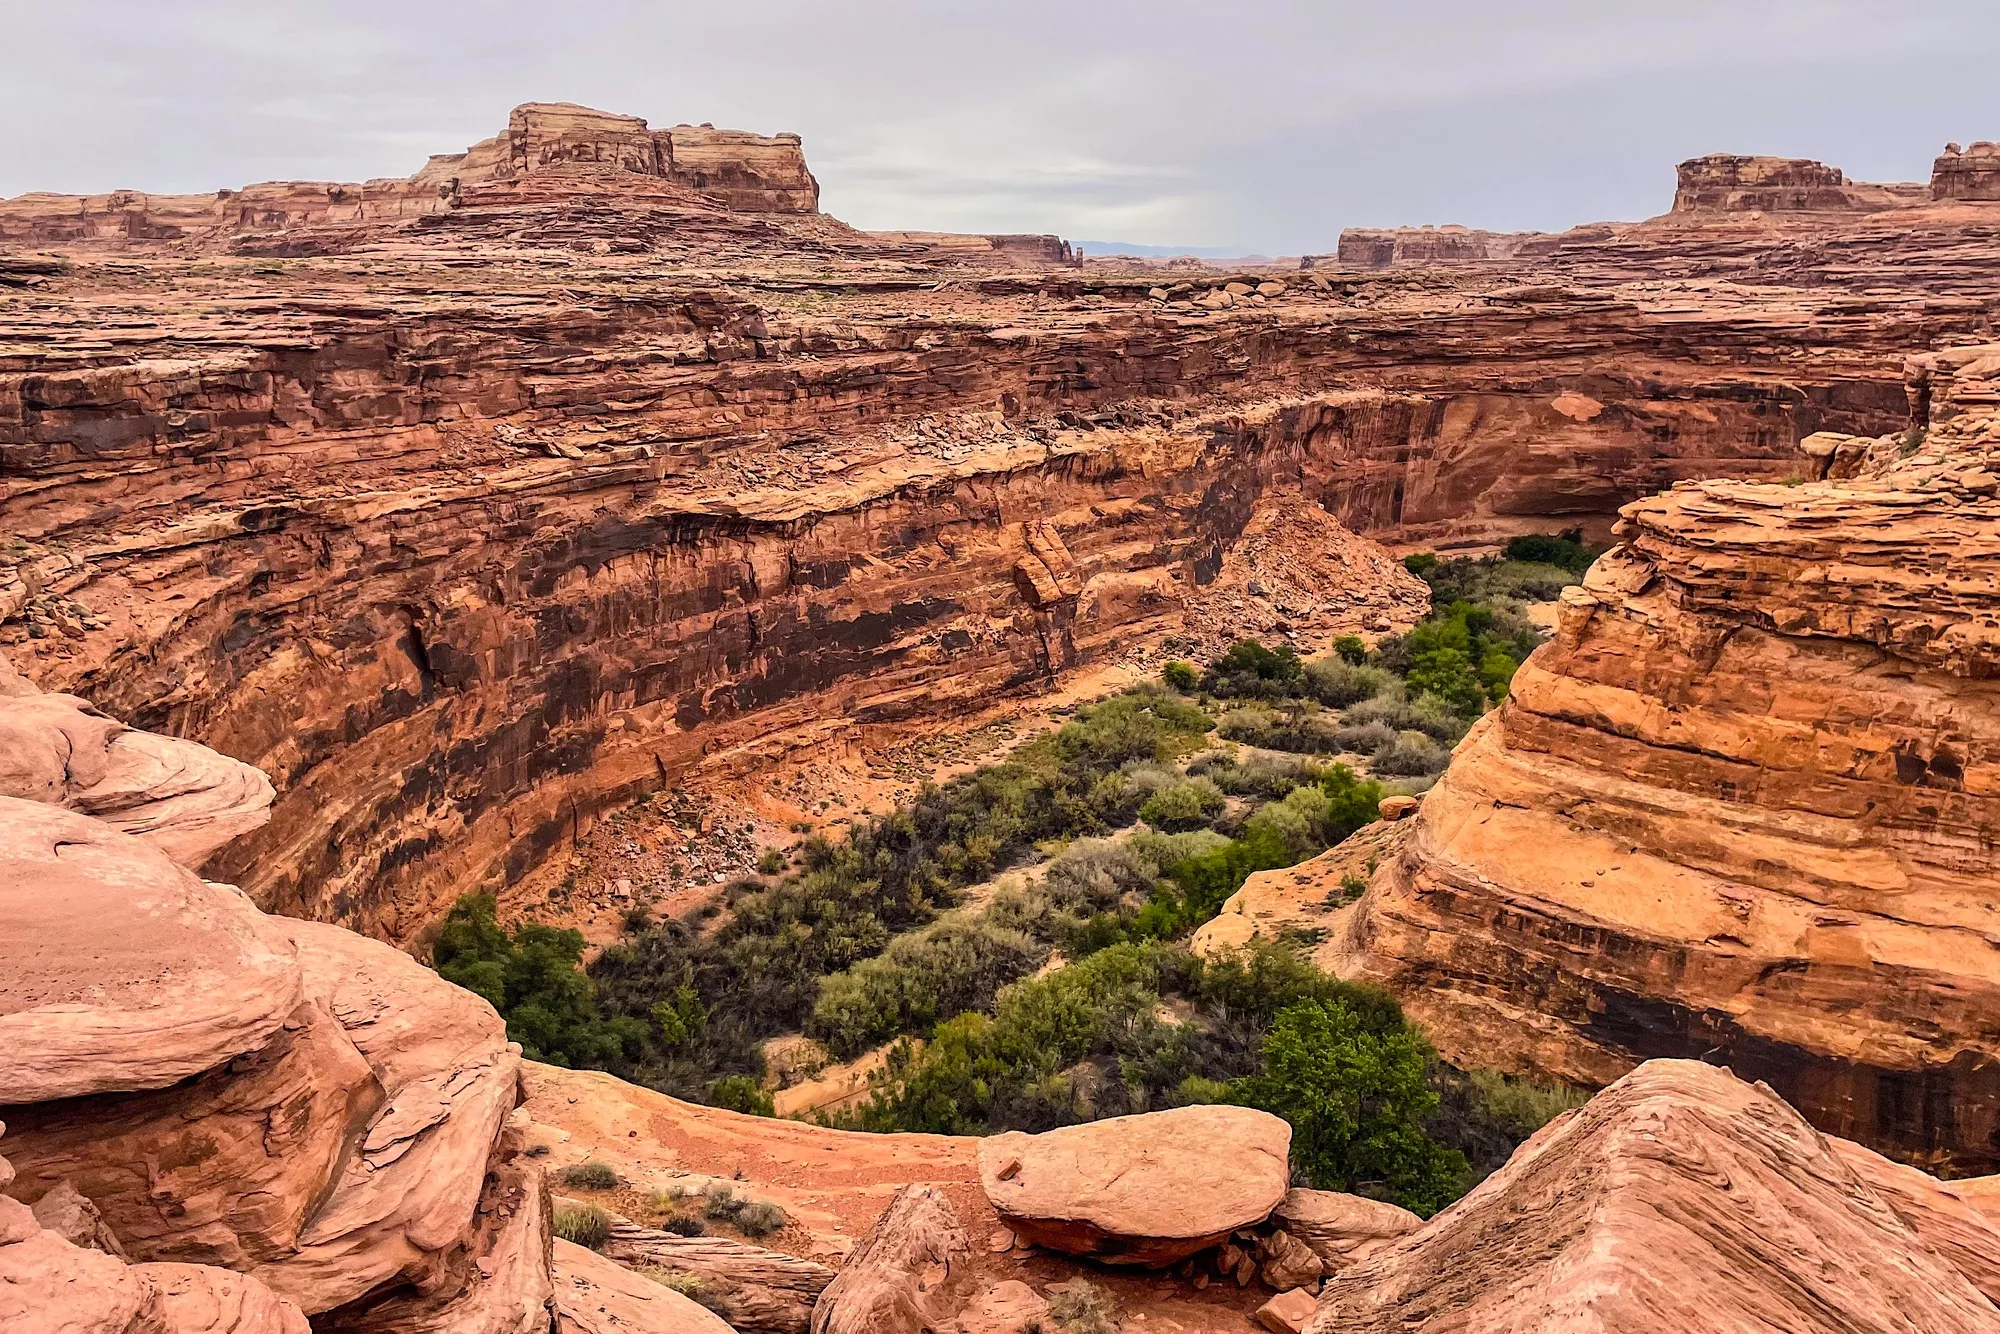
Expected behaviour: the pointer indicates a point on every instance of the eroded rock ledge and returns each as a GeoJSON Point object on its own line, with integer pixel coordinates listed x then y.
{"type": "Point", "coordinates": [310, 1109]}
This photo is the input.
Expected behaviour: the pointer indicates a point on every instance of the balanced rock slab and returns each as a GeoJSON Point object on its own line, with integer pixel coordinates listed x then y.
{"type": "Point", "coordinates": [1142, 1190]}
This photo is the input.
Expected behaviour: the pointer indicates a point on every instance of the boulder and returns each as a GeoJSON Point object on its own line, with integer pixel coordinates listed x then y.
{"type": "Point", "coordinates": [66, 1212]}
{"type": "Point", "coordinates": [1284, 1262]}
{"type": "Point", "coordinates": [199, 1084]}
{"type": "Point", "coordinates": [594, 1295]}
{"type": "Point", "coordinates": [1397, 808]}
{"type": "Point", "coordinates": [1341, 1229]}
{"type": "Point", "coordinates": [1288, 1312]}
{"type": "Point", "coordinates": [1146, 1190]}
{"type": "Point", "coordinates": [120, 970]}
{"type": "Point", "coordinates": [49, 1286]}
{"type": "Point", "coordinates": [757, 1291]}
{"type": "Point", "coordinates": [1681, 1198]}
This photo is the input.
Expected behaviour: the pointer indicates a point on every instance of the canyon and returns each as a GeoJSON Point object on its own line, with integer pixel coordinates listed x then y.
{"type": "Point", "coordinates": [470, 525]}
{"type": "Point", "coordinates": [365, 546]}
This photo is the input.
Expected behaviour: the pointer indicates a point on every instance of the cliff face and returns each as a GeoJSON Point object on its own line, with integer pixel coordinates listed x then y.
{"type": "Point", "coordinates": [458, 575]}
{"type": "Point", "coordinates": [1741, 807]}
{"type": "Point", "coordinates": [1967, 173]}
{"type": "Point", "coordinates": [468, 525]}
{"type": "Point", "coordinates": [471, 525]}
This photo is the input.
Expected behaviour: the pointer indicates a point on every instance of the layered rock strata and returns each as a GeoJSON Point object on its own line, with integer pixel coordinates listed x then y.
{"type": "Point", "coordinates": [399, 568]}
{"type": "Point", "coordinates": [1967, 173]}
{"type": "Point", "coordinates": [751, 173]}
{"type": "Point", "coordinates": [1732, 183]}
{"type": "Point", "coordinates": [470, 526]}
{"type": "Point", "coordinates": [1742, 806]}
{"type": "Point", "coordinates": [1680, 1198]}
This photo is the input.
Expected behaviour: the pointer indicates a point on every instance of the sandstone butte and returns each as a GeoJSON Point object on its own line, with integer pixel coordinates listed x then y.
{"type": "Point", "coordinates": [415, 525]}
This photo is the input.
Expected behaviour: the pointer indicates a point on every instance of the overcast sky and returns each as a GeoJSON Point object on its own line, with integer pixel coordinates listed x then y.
{"type": "Point", "coordinates": [1257, 124]}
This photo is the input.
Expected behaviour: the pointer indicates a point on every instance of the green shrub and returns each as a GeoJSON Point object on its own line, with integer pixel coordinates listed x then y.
{"type": "Point", "coordinates": [771, 861]}
{"type": "Point", "coordinates": [1082, 1307]}
{"type": "Point", "coordinates": [1524, 1104]}
{"type": "Point", "coordinates": [686, 1226]}
{"type": "Point", "coordinates": [1351, 650]}
{"type": "Point", "coordinates": [1448, 674]}
{"type": "Point", "coordinates": [1181, 676]}
{"type": "Point", "coordinates": [588, 1226]}
{"type": "Point", "coordinates": [943, 969]}
{"type": "Point", "coordinates": [741, 1093]}
{"type": "Point", "coordinates": [1365, 738]}
{"type": "Point", "coordinates": [1357, 1097]}
{"type": "Point", "coordinates": [686, 1284]}
{"type": "Point", "coordinates": [1189, 804]}
{"type": "Point", "coordinates": [719, 1203]}
{"type": "Point", "coordinates": [534, 980]}
{"type": "Point", "coordinates": [1400, 713]}
{"type": "Point", "coordinates": [590, 1176]}
{"type": "Point", "coordinates": [760, 1218]}
{"type": "Point", "coordinates": [1249, 669]}
{"type": "Point", "coordinates": [1565, 550]}
{"type": "Point", "coordinates": [1337, 683]}
{"type": "Point", "coordinates": [1411, 755]}
{"type": "Point", "coordinates": [1420, 563]}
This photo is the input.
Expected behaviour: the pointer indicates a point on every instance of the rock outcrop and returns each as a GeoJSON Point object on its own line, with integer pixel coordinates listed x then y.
{"type": "Point", "coordinates": [1431, 247]}
{"type": "Point", "coordinates": [1680, 1198]}
{"type": "Point", "coordinates": [203, 1089]}
{"type": "Point", "coordinates": [1741, 807]}
{"type": "Point", "coordinates": [177, 795]}
{"type": "Point", "coordinates": [908, 1274]}
{"type": "Point", "coordinates": [1731, 183]}
{"type": "Point", "coordinates": [462, 565]}
{"type": "Point", "coordinates": [749, 173]}
{"type": "Point", "coordinates": [1140, 1190]}
{"type": "Point", "coordinates": [1341, 1229]}
{"type": "Point", "coordinates": [458, 594]}
{"type": "Point", "coordinates": [594, 1295]}
{"type": "Point", "coordinates": [1967, 173]}
{"type": "Point", "coordinates": [74, 1280]}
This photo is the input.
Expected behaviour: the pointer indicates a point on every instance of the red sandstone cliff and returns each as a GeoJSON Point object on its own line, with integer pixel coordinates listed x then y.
{"type": "Point", "coordinates": [1741, 807]}
{"type": "Point", "coordinates": [470, 525]}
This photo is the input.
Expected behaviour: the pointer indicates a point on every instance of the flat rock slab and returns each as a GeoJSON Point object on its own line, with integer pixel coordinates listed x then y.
{"type": "Point", "coordinates": [1143, 1190]}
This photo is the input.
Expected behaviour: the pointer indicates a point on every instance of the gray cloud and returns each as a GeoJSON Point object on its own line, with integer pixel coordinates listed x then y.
{"type": "Point", "coordinates": [1270, 125]}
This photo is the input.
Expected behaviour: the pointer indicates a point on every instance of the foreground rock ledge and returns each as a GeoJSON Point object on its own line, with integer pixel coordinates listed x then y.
{"type": "Point", "coordinates": [1140, 1190]}
{"type": "Point", "coordinates": [1683, 1199]}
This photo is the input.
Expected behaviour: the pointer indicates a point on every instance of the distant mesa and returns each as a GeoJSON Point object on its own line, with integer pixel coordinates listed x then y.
{"type": "Point", "coordinates": [559, 176]}
{"type": "Point", "coordinates": [1731, 183]}
{"type": "Point", "coordinates": [750, 173]}
{"type": "Point", "coordinates": [1715, 190]}
{"type": "Point", "coordinates": [1967, 173]}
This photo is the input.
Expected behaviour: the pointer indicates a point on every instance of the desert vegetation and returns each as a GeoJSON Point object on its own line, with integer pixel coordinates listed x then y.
{"type": "Point", "coordinates": [1136, 819]}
